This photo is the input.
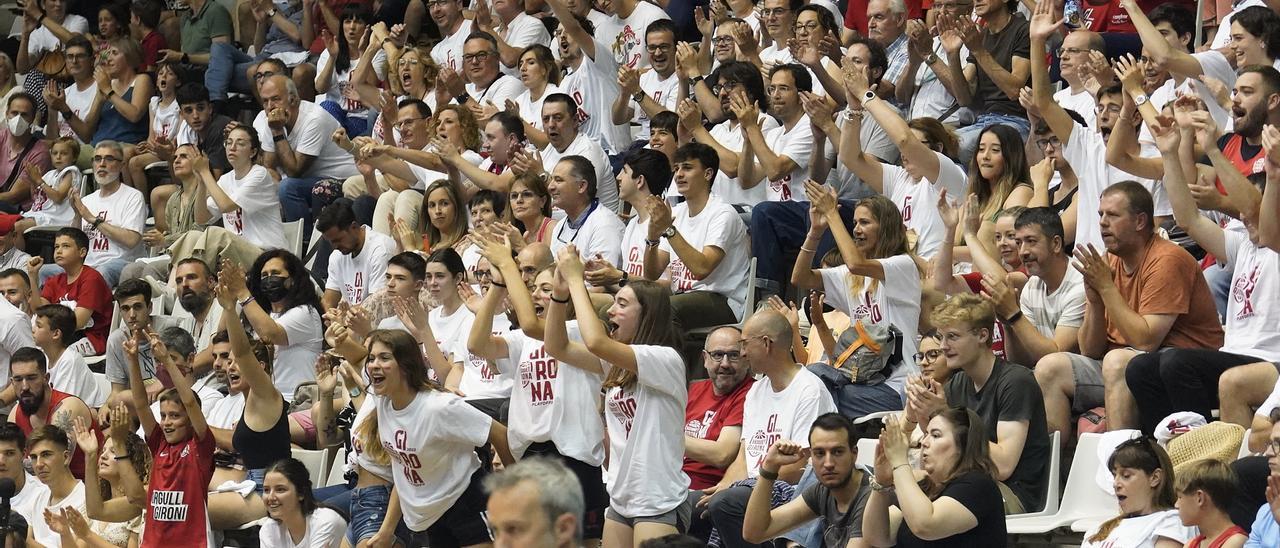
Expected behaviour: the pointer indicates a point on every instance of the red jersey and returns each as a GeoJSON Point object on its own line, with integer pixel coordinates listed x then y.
{"type": "Point", "coordinates": [704, 416]}
{"type": "Point", "coordinates": [177, 508]}
{"type": "Point", "coordinates": [88, 291]}
{"type": "Point", "coordinates": [23, 421]}
{"type": "Point", "coordinates": [1106, 16]}
{"type": "Point", "coordinates": [1248, 159]}
{"type": "Point", "coordinates": [974, 280]}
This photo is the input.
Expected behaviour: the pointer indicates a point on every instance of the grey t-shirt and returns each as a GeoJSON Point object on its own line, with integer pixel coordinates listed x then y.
{"type": "Point", "coordinates": [117, 369]}
{"type": "Point", "coordinates": [838, 527]}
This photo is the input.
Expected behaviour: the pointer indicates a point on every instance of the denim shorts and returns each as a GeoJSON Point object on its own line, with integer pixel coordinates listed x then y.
{"type": "Point", "coordinates": [257, 476]}
{"type": "Point", "coordinates": [368, 508]}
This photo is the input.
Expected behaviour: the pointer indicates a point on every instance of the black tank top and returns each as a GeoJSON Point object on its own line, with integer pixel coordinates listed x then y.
{"type": "Point", "coordinates": [261, 449]}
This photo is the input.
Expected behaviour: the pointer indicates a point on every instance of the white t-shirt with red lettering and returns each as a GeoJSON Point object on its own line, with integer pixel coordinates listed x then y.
{"type": "Point", "coordinates": [769, 415]}
{"type": "Point", "coordinates": [663, 91]}
{"type": "Point", "coordinates": [551, 402]}
{"type": "Point", "coordinates": [356, 277]}
{"type": "Point", "coordinates": [432, 460]}
{"type": "Point", "coordinates": [918, 200]}
{"type": "Point", "coordinates": [125, 208]}
{"type": "Point", "coordinates": [633, 247]}
{"type": "Point", "coordinates": [719, 225]}
{"type": "Point", "coordinates": [727, 188]}
{"type": "Point", "coordinates": [645, 465]}
{"type": "Point", "coordinates": [594, 86]}
{"type": "Point", "coordinates": [258, 219]}
{"type": "Point", "coordinates": [895, 300]}
{"type": "Point", "coordinates": [478, 382]}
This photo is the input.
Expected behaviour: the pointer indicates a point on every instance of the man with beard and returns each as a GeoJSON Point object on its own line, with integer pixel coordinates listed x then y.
{"type": "Point", "coordinates": [713, 417]}
{"type": "Point", "coordinates": [837, 499]}
{"type": "Point", "coordinates": [15, 287]}
{"type": "Point", "coordinates": [195, 295]}
{"type": "Point", "coordinates": [134, 300]}
{"type": "Point", "coordinates": [113, 216]}
{"type": "Point", "coordinates": [40, 405]}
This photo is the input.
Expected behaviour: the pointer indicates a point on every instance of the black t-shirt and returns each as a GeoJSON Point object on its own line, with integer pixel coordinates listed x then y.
{"type": "Point", "coordinates": [1011, 394]}
{"type": "Point", "coordinates": [978, 493]}
{"type": "Point", "coordinates": [838, 527]}
{"type": "Point", "coordinates": [1012, 41]}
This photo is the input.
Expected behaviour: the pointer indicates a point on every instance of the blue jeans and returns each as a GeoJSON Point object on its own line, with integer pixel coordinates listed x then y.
{"type": "Point", "coordinates": [355, 126]}
{"type": "Point", "coordinates": [227, 66]}
{"type": "Point", "coordinates": [295, 200]}
{"type": "Point", "coordinates": [1219, 278]}
{"type": "Point", "coordinates": [969, 134]}
{"type": "Point", "coordinates": [778, 229]}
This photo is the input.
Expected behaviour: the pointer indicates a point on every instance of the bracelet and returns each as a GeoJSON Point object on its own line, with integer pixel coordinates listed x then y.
{"type": "Point", "coordinates": [561, 301]}
{"type": "Point", "coordinates": [652, 243]}
{"type": "Point", "coordinates": [277, 137]}
{"type": "Point", "coordinates": [807, 250]}
{"type": "Point", "coordinates": [245, 302]}
{"type": "Point", "coordinates": [186, 59]}
{"type": "Point", "coordinates": [765, 474]}
{"type": "Point", "coordinates": [623, 281]}
{"type": "Point", "coordinates": [1015, 317]}
{"type": "Point", "coordinates": [498, 284]}
{"type": "Point", "coordinates": [895, 468]}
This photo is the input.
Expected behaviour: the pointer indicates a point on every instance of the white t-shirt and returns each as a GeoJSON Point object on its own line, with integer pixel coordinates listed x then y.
{"type": "Point", "coordinates": [551, 402]}
{"type": "Point", "coordinates": [478, 380]}
{"type": "Point", "coordinates": [357, 277]}
{"type": "Point", "coordinates": [531, 107]}
{"type": "Point", "coordinates": [296, 363]}
{"type": "Point", "coordinates": [918, 200]}
{"type": "Point", "coordinates": [80, 102]}
{"type": "Point", "coordinates": [594, 86]}
{"type": "Point", "coordinates": [433, 460]}
{"type": "Point", "coordinates": [258, 219]}
{"type": "Point", "coordinates": [645, 475]}
{"type": "Point", "coordinates": [796, 144]}
{"type": "Point", "coordinates": [1062, 308]}
{"type": "Point", "coordinates": [28, 502]}
{"type": "Point", "coordinates": [524, 30]}
{"type": "Point", "coordinates": [768, 415]}
{"type": "Point", "coordinates": [895, 299]}
{"type": "Point", "coordinates": [47, 212]}
{"type": "Point", "coordinates": [628, 42]}
{"type": "Point", "coordinates": [124, 208]}
{"type": "Point", "coordinates": [1087, 154]}
{"type": "Point", "coordinates": [15, 333]}
{"type": "Point", "coordinates": [72, 375]}
{"type": "Point", "coordinates": [1255, 296]}
{"type": "Point", "coordinates": [226, 412]}
{"type": "Point", "coordinates": [600, 234]}
{"type": "Point", "coordinates": [719, 225]}
{"type": "Point", "coordinates": [633, 247]}
{"type": "Point", "coordinates": [1143, 531]}
{"type": "Point", "coordinates": [39, 528]}
{"type": "Point", "coordinates": [325, 529]}
{"type": "Point", "coordinates": [360, 458]}
{"type": "Point", "coordinates": [582, 145]}
{"type": "Point", "coordinates": [311, 136]}
{"type": "Point", "coordinates": [1222, 38]}
{"type": "Point", "coordinates": [42, 39]}
{"type": "Point", "coordinates": [448, 52]}
{"type": "Point", "coordinates": [663, 91]}
{"type": "Point", "coordinates": [729, 189]}
{"type": "Point", "coordinates": [1082, 103]}
{"type": "Point", "coordinates": [340, 83]}
{"type": "Point", "coordinates": [498, 92]}
{"type": "Point", "coordinates": [164, 118]}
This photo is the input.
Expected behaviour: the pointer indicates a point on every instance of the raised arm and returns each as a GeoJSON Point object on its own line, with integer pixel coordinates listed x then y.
{"type": "Point", "coordinates": [1042, 27]}
{"type": "Point", "coordinates": [1175, 142]}
{"type": "Point", "coordinates": [264, 399]}
{"type": "Point", "coordinates": [137, 390]}
{"type": "Point", "coordinates": [1269, 225]}
{"type": "Point", "coordinates": [1176, 61]}
{"type": "Point", "coordinates": [595, 338]}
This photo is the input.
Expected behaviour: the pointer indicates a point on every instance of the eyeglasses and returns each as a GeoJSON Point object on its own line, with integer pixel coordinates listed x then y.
{"type": "Point", "coordinates": [76, 56]}
{"type": "Point", "coordinates": [721, 40]}
{"type": "Point", "coordinates": [480, 57]}
{"type": "Point", "coordinates": [1044, 143]}
{"type": "Point", "coordinates": [432, 3]}
{"type": "Point", "coordinates": [1272, 448]}
{"type": "Point", "coordinates": [727, 86]}
{"type": "Point", "coordinates": [527, 195]}
{"type": "Point", "coordinates": [775, 12]}
{"type": "Point", "coordinates": [718, 356]}
{"type": "Point", "coordinates": [484, 274]}
{"type": "Point", "coordinates": [408, 122]}
{"type": "Point", "coordinates": [655, 48]}
{"type": "Point", "coordinates": [406, 62]}
{"type": "Point", "coordinates": [807, 27]}
{"type": "Point", "coordinates": [928, 357]}
{"type": "Point", "coordinates": [105, 159]}
{"type": "Point", "coordinates": [1063, 52]}
{"type": "Point", "coordinates": [264, 74]}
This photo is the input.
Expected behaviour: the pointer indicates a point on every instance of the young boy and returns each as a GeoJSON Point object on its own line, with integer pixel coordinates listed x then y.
{"type": "Point", "coordinates": [53, 331]}
{"type": "Point", "coordinates": [182, 456]}
{"type": "Point", "coordinates": [1205, 488]}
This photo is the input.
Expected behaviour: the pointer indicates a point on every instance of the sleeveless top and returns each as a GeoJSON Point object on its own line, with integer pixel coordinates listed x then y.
{"type": "Point", "coordinates": [1217, 542]}
{"type": "Point", "coordinates": [114, 126]}
{"type": "Point", "coordinates": [23, 421]}
{"type": "Point", "coordinates": [260, 449]}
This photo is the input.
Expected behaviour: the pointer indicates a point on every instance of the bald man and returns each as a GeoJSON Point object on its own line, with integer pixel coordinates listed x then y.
{"type": "Point", "coordinates": [1073, 58]}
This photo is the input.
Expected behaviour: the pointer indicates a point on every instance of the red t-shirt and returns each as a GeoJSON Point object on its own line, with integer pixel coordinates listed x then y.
{"type": "Point", "coordinates": [974, 280]}
{"type": "Point", "coordinates": [1106, 16]}
{"type": "Point", "coordinates": [704, 417]}
{"type": "Point", "coordinates": [88, 291]}
{"type": "Point", "coordinates": [151, 45]}
{"type": "Point", "coordinates": [23, 421]}
{"type": "Point", "coordinates": [177, 497]}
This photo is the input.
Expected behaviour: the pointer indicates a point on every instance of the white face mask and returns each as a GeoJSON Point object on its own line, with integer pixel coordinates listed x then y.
{"type": "Point", "coordinates": [18, 126]}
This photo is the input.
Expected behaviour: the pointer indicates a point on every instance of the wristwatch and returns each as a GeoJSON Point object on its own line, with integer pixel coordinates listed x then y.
{"type": "Point", "coordinates": [638, 96]}
{"type": "Point", "coordinates": [354, 391]}
{"type": "Point", "coordinates": [694, 81]}
{"type": "Point", "coordinates": [1140, 100]}
{"type": "Point", "coordinates": [868, 96]}
{"type": "Point", "coordinates": [669, 232]}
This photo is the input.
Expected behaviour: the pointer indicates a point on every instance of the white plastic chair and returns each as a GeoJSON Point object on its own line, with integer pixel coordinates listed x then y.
{"type": "Point", "coordinates": [314, 459]}
{"type": "Point", "coordinates": [1055, 476]}
{"type": "Point", "coordinates": [867, 452]}
{"type": "Point", "coordinates": [1244, 445]}
{"type": "Point", "coordinates": [293, 236]}
{"type": "Point", "coordinates": [337, 469]}
{"type": "Point", "coordinates": [1082, 499]}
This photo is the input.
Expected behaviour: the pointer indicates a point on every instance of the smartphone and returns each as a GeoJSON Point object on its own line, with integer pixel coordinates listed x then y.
{"type": "Point", "coordinates": [1073, 14]}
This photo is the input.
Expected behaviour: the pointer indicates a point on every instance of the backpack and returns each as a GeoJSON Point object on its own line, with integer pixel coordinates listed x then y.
{"type": "Point", "coordinates": [864, 354]}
